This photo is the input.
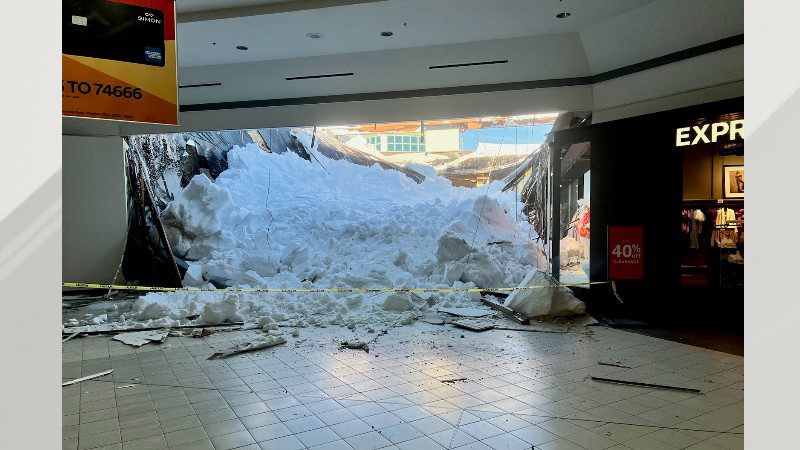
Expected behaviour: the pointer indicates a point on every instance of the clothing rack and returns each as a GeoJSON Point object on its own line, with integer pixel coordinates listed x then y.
{"type": "Point", "coordinates": [719, 203]}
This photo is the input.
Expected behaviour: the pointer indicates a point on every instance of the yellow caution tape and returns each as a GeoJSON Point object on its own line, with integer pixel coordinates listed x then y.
{"type": "Point", "coordinates": [122, 287]}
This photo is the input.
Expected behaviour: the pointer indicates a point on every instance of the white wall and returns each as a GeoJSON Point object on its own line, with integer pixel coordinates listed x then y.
{"type": "Point", "coordinates": [659, 28]}
{"type": "Point", "coordinates": [446, 140]}
{"type": "Point", "coordinates": [703, 79]}
{"type": "Point", "coordinates": [94, 215]}
{"type": "Point", "coordinates": [656, 29]}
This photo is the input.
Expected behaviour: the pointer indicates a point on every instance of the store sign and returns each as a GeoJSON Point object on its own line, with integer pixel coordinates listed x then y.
{"type": "Point", "coordinates": [625, 253]}
{"type": "Point", "coordinates": [708, 133]}
{"type": "Point", "coordinates": [119, 60]}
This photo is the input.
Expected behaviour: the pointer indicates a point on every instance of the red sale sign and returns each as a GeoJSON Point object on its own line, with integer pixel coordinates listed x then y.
{"type": "Point", "coordinates": [625, 253]}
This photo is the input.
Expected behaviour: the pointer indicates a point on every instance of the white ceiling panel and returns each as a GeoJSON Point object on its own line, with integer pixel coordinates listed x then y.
{"type": "Point", "coordinates": [356, 28]}
{"type": "Point", "coordinates": [530, 58]}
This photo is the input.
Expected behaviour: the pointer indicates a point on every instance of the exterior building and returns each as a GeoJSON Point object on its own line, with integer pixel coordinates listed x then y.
{"type": "Point", "coordinates": [428, 141]}
{"type": "Point", "coordinates": [407, 140]}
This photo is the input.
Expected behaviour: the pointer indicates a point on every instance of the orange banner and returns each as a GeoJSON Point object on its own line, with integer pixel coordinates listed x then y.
{"type": "Point", "coordinates": [119, 60]}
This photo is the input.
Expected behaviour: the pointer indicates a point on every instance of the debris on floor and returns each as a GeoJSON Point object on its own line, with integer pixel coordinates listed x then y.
{"type": "Point", "coordinates": [201, 332]}
{"type": "Point", "coordinates": [542, 328]}
{"type": "Point", "coordinates": [547, 299]}
{"type": "Point", "coordinates": [508, 312]}
{"type": "Point", "coordinates": [355, 345]}
{"type": "Point", "coordinates": [473, 324]}
{"type": "Point", "coordinates": [86, 378]}
{"type": "Point", "coordinates": [624, 323]}
{"type": "Point", "coordinates": [140, 338]}
{"type": "Point", "coordinates": [453, 380]}
{"type": "Point", "coordinates": [583, 320]}
{"type": "Point", "coordinates": [69, 337]}
{"type": "Point", "coordinates": [267, 342]}
{"type": "Point", "coordinates": [613, 363]}
{"type": "Point", "coordinates": [433, 319]}
{"type": "Point", "coordinates": [429, 357]}
{"type": "Point", "coordinates": [114, 328]}
{"type": "Point", "coordinates": [466, 312]}
{"type": "Point", "coordinates": [650, 385]}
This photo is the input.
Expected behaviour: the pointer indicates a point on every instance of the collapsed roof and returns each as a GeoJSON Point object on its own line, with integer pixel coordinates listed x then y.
{"type": "Point", "coordinates": [299, 141]}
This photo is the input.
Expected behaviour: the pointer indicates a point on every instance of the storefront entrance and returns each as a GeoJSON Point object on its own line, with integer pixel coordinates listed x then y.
{"type": "Point", "coordinates": [677, 177]}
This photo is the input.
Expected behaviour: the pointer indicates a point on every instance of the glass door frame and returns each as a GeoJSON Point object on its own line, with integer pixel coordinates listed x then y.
{"type": "Point", "coordinates": [561, 139]}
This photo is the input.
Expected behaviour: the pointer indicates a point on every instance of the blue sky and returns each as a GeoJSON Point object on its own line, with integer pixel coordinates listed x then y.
{"type": "Point", "coordinates": [504, 135]}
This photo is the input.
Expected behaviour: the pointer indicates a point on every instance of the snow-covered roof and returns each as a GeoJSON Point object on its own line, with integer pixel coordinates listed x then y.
{"type": "Point", "coordinates": [298, 140]}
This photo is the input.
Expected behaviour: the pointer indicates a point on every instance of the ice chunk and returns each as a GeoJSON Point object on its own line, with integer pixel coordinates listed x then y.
{"type": "Point", "coordinates": [144, 310]}
{"type": "Point", "coordinates": [547, 300]}
{"type": "Point", "coordinates": [482, 271]}
{"type": "Point", "coordinates": [397, 301]}
{"type": "Point", "coordinates": [194, 276]}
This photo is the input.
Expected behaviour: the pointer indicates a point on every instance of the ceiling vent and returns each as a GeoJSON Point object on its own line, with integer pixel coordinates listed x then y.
{"type": "Point", "coordinates": [479, 63]}
{"type": "Point", "coordinates": [183, 86]}
{"type": "Point", "coordinates": [324, 75]}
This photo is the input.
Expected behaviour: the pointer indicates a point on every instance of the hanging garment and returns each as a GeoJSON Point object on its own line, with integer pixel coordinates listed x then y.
{"type": "Point", "coordinates": [727, 238]}
{"type": "Point", "coordinates": [583, 224]}
{"type": "Point", "coordinates": [725, 233]}
{"type": "Point", "coordinates": [686, 220]}
{"type": "Point", "coordinates": [696, 228]}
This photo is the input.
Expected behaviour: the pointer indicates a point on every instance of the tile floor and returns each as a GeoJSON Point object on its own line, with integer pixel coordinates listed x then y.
{"type": "Point", "coordinates": [522, 390]}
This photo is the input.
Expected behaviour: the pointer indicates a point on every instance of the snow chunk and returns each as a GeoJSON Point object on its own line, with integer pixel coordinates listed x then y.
{"type": "Point", "coordinates": [550, 300]}
{"type": "Point", "coordinates": [397, 301]}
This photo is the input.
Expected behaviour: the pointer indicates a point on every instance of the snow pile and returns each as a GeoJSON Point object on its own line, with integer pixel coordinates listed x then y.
{"type": "Point", "coordinates": [359, 142]}
{"type": "Point", "coordinates": [550, 300]}
{"type": "Point", "coordinates": [279, 221]}
{"type": "Point", "coordinates": [421, 167]}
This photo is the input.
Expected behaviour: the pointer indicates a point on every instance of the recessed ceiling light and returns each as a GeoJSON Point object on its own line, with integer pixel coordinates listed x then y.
{"type": "Point", "coordinates": [241, 47]}
{"type": "Point", "coordinates": [563, 15]}
{"type": "Point", "coordinates": [386, 33]}
{"type": "Point", "coordinates": [314, 36]}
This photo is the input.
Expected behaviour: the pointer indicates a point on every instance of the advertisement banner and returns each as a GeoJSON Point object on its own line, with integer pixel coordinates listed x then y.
{"type": "Point", "coordinates": [119, 60]}
{"type": "Point", "coordinates": [625, 246]}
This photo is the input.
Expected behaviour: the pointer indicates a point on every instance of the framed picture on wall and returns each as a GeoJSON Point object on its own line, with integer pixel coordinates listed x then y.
{"type": "Point", "coordinates": [733, 181]}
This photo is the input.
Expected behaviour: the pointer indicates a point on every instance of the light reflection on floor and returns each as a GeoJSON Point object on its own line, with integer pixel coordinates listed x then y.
{"type": "Point", "coordinates": [422, 386]}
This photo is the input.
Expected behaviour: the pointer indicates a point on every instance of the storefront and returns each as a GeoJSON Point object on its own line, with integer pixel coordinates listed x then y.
{"type": "Point", "coordinates": [667, 212]}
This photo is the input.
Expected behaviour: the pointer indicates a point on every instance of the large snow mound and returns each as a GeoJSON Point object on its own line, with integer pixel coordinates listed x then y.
{"type": "Point", "coordinates": [279, 221]}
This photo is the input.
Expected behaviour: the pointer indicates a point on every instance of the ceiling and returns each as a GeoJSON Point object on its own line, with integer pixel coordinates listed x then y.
{"type": "Point", "coordinates": [356, 26]}
{"type": "Point", "coordinates": [391, 76]}
{"type": "Point", "coordinates": [187, 6]}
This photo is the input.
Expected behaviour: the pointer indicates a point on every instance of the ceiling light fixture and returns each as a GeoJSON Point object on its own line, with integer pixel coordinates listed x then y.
{"type": "Point", "coordinates": [324, 75]}
{"type": "Point", "coordinates": [386, 33]}
{"type": "Point", "coordinates": [478, 63]}
{"type": "Point", "coordinates": [241, 47]}
{"type": "Point", "coordinates": [314, 35]}
{"type": "Point", "coordinates": [563, 15]}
